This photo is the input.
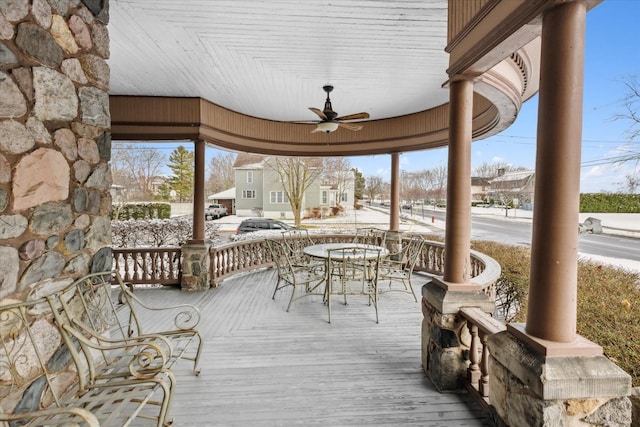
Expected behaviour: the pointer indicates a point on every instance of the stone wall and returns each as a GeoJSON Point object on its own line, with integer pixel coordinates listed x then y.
{"type": "Point", "coordinates": [55, 143]}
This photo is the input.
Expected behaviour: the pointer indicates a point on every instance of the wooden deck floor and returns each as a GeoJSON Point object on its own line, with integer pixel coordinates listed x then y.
{"type": "Point", "coordinates": [262, 366]}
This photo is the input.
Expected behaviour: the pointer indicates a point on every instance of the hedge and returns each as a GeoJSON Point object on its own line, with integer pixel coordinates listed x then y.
{"type": "Point", "coordinates": [141, 210]}
{"type": "Point", "coordinates": [609, 203]}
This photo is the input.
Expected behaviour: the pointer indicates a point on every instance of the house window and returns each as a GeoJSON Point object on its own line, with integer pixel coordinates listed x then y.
{"type": "Point", "coordinates": [248, 194]}
{"type": "Point", "coordinates": [278, 197]}
{"type": "Point", "coordinates": [325, 197]}
{"type": "Point", "coordinates": [250, 177]}
{"type": "Point", "coordinates": [344, 197]}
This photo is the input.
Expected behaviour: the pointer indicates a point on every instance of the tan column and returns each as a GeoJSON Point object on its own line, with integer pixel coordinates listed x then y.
{"type": "Point", "coordinates": [552, 306]}
{"type": "Point", "coordinates": [198, 191]}
{"type": "Point", "coordinates": [458, 219]}
{"type": "Point", "coordinates": [394, 216]}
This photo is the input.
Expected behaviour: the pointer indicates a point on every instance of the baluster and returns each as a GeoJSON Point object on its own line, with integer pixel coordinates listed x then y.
{"type": "Point", "coordinates": [176, 264]}
{"type": "Point", "coordinates": [145, 265]}
{"type": "Point", "coordinates": [484, 367]}
{"type": "Point", "coordinates": [116, 262]}
{"type": "Point", "coordinates": [165, 268]}
{"type": "Point", "coordinates": [473, 371]}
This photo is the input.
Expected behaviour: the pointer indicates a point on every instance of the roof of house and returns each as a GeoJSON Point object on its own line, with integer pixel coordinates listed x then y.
{"type": "Point", "coordinates": [514, 176]}
{"type": "Point", "coordinates": [226, 194]}
{"type": "Point", "coordinates": [479, 181]}
{"type": "Point", "coordinates": [247, 160]}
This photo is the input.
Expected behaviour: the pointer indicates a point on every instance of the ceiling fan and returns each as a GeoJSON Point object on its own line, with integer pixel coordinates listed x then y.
{"type": "Point", "coordinates": [329, 119]}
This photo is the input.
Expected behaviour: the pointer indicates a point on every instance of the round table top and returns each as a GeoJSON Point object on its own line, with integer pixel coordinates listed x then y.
{"type": "Point", "coordinates": [359, 250]}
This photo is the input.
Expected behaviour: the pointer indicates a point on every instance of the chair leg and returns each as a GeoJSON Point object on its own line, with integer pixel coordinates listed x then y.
{"type": "Point", "coordinates": [328, 291]}
{"type": "Point", "coordinates": [410, 288]}
{"type": "Point", "coordinates": [293, 293]}
{"type": "Point", "coordinates": [276, 289]}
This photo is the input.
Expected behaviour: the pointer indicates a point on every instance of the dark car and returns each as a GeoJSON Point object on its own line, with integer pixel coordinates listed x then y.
{"type": "Point", "coordinates": [256, 224]}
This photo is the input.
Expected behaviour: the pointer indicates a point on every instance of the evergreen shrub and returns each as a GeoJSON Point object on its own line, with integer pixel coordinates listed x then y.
{"type": "Point", "coordinates": [141, 210]}
{"type": "Point", "coordinates": [609, 203]}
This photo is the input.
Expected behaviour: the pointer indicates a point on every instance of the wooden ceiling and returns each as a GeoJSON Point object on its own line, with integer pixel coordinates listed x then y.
{"type": "Point", "coordinates": [270, 59]}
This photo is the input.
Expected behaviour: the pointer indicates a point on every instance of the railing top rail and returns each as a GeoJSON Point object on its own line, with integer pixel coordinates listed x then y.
{"type": "Point", "coordinates": [485, 323]}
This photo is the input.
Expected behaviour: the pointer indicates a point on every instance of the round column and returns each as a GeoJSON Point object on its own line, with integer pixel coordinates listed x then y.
{"type": "Point", "coordinates": [458, 227]}
{"type": "Point", "coordinates": [552, 305]}
{"type": "Point", "coordinates": [198, 191]}
{"type": "Point", "coordinates": [394, 213]}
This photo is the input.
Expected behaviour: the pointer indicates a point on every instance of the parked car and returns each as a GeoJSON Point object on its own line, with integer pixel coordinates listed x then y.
{"type": "Point", "coordinates": [256, 224]}
{"type": "Point", "coordinates": [215, 211]}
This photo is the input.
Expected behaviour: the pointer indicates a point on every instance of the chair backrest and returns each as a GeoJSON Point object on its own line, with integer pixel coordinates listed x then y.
{"type": "Point", "coordinates": [280, 256]}
{"type": "Point", "coordinates": [370, 236]}
{"type": "Point", "coordinates": [296, 239]}
{"type": "Point", "coordinates": [412, 249]}
{"type": "Point", "coordinates": [343, 261]}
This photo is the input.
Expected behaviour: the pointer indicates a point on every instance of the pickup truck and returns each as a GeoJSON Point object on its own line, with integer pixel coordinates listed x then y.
{"type": "Point", "coordinates": [215, 211]}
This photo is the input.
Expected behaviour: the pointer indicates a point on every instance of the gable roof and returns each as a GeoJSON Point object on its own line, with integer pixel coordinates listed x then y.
{"type": "Point", "coordinates": [248, 160]}
{"type": "Point", "coordinates": [514, 176]}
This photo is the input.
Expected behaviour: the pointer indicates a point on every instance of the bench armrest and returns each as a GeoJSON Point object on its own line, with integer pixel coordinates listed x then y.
{"type": "Point", "coordinates": [147, 355]}
{"type": "Point", "coordinates": [186, 318]}
{"type": "Point", "coordinates": [61, 417]}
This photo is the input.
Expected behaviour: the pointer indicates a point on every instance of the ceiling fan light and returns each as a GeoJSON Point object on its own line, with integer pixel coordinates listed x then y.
{"type": "Point", "coordinates": [327, 127]}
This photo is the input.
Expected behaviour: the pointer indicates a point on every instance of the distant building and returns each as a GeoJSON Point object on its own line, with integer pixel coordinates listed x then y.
{"type": "Point", "coordinates": [479, 188]}
{"type": "Point", "coordinates": [259, 190]}
{"type": "Point", "coordinates": [516, 187]}
{"type": "Point", "coordinates": [227, 198]}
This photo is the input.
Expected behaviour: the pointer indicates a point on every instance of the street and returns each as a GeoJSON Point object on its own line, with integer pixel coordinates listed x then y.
{"type": "Point", "coordinates": [518, 232]}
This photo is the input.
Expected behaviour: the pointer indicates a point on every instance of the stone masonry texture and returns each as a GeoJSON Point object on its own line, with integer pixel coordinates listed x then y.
{"type": "Point", "coordinates": [54, 157]}
{"type": "Point", "coordinates": [54, 119]}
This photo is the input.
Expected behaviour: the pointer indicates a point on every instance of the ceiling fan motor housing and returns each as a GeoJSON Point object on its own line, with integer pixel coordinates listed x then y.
{"type": "Point", "coordinates": [328, 109]}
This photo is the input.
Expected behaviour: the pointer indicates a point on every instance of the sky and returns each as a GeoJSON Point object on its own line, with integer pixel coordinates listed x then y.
{"type": "Point", "coordinates": [612, 57]}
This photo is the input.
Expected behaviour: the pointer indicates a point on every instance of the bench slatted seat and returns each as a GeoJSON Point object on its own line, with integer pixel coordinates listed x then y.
{"type": "Point", "coordinates": [95, 359]}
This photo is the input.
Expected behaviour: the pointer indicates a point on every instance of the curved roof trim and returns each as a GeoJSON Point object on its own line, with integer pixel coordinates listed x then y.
{"type": "Point", "coordinates": [499, 95]}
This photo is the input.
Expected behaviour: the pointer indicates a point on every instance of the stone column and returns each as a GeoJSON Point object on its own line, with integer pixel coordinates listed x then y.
{"type": "Point", "coordinates": [445, 340]}
{"type": "Point", "coordinates": [55, 144]}
{"type": "Point", "coordinates": [544, 373]}
{"type": "Point", "coordinates": [394, 208]}
{"type": "Point", "coordinates": [196, 274]}
{"type": "Point", "coordinates": [55, 147]}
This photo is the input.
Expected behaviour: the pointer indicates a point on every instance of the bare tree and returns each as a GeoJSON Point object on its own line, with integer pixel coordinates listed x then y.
{"type": "Point", "coordinates": [374, 186]}
{"type": "Point", "coordinates": [410, 186]}
{"type": "Point", "coordinates": [631, 115]}
{"type": "Point", "coordinates": [135, 167]}
{"type": "Point", "coordinates": [491, 170]}
{"type": "Point", "coordinates": [631, 106]}
{"type": "Point", "coordinates": [439, 177]}
{"type": "Point", "coordinates": [337, 171]}
{"type": "Point", "coordinates": [296, 175]}
{"type": "Point", "coordinates": [221, 174]}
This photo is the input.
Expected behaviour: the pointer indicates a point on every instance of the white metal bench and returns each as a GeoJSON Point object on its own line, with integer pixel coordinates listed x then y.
{"type": "Point", "coordinates": [80, 356]}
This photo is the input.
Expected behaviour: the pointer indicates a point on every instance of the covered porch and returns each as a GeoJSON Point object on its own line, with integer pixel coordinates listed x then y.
{"type": "Point", "coordinates": [55, 178]}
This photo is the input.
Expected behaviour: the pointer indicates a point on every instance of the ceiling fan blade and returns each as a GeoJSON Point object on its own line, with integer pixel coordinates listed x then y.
{"type": "Point", "coordinates": [318, 112]}
{"type": "Point", "coordinates": [356, 116]}
{"type": "Point", "coordinates": [350, 126]}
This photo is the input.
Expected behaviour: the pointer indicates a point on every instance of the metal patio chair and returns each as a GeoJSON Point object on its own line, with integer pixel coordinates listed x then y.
{"type": "Point", "coordinates": [310, 277]}
{"type": "Point", "coordinates": [370, 236]}
{"type": "Point", "coordinates": [398, 267]}
{"type": "Point", "coordinates": [296, 239]}
{"type": "Point", "coordinates": [355, 271]}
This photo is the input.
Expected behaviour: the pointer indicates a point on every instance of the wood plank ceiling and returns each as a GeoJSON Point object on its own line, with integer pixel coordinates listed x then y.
{"type": "Point", "coordinates": [270, 59]}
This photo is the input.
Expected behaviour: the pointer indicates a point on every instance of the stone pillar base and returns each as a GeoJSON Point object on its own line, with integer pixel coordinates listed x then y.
{"type": "Point", "coordinates": [445, 337]}
{"type": "Point", "coordinates": [195, 266]}
{"type": "Point", "coordinates": [529, 388]}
